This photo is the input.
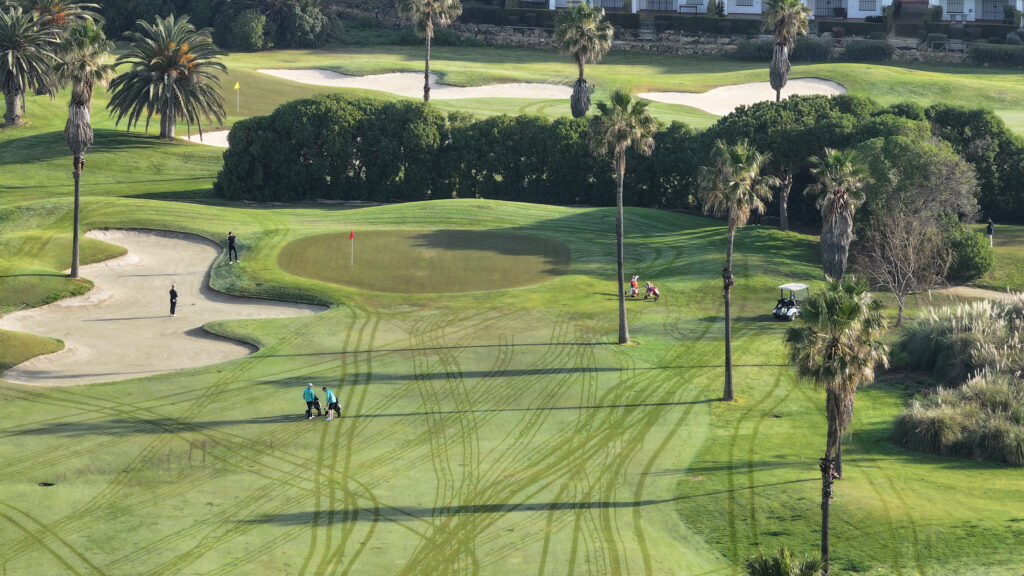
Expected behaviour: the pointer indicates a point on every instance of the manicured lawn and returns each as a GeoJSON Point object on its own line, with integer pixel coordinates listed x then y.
{"type": "Point", "coordinates": [1008, 272]}
{"type": "Point", "coordinates": [496, 432]}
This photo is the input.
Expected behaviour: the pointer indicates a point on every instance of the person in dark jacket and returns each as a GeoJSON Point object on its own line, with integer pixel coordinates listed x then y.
{"type": "Point", "coordinates": [232, 251]}
{"type": "Point", "coordinates": [989, 230]}
{"type": "Point", "coordinates": [174, 299]}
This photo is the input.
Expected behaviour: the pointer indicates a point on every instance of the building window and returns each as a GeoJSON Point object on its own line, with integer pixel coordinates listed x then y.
{"type": "Point", "coordinates": [744, 2]}
{"type": "Point", "coordinates": [868, 5]}
{"type": "Point", "coordinates": [955, 6]}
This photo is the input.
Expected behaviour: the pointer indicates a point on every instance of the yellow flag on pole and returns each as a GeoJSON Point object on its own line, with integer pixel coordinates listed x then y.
{"type": "Point", "coordinates": [236, 85]}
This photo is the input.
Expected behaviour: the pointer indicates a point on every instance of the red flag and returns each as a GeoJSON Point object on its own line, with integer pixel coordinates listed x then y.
{"type": "Point", "coordinates": [352, 235]}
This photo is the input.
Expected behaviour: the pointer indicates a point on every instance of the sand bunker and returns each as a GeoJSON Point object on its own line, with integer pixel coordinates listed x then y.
{"type": "Point", "coordinates": [410, 84]}
{"type": "Point", "coordinates": [122, 328]}
{"type": "Point", "coordinates": [724, 100]}
{"type": "Point", "coordinates": [218, 139]}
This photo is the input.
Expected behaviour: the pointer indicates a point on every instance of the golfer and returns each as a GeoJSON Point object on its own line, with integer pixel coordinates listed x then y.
{"type": "Point", "coordinates": [232, 251]}
{"type": "Point", "coordinates": [989, 230]}
{"type": "Point", "coordinates": [310, 397]}
{"type": "Point", "coordinates": [332, 404]}
{"type": "Point", "coordinates": [174, 299]}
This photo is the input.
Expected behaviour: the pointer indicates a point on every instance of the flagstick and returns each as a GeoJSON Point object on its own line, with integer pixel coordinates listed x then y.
{"type": "Point", "coordinates": [238, 101]}
{"type": "Point", "coordinates": [353, 243]}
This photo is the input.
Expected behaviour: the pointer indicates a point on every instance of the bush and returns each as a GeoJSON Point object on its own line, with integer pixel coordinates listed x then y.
{"type": "Point", "coordinates": [936, 40]}
{"type": "Point", "coordinates": [934, 14]}
{"type": "Point", "coordinates": [303, 28]}
{"type": "Point", "coordinates": [982, 419]}
{"type": "Point", "coordinates": [805, 50]}
{"type": "Point", "coordinates": [247, 31]}
{"type": "Point", "coordinates": [1013, 39]}
{"type": "Point", "coordinates": [446, 37]}
{"type": "Point", "coordinates": [709, 24]}
{"type": "Point", "coordinates": [995, 55]}
{"type": "Point", "coordinates": [909, 110]}
{"type": "Point", "coordinates": [868, 51]}
{"type": "Point", "coordinates": [862, 28]}
{"type": "Point", "coordinates": [972, 258]}
{"type": "Point", "coordinates": [875, 19]}
{"type": "Point", "coordinates": [482, 14]}
{"type": "Point", "coordinates": [1011, 15]}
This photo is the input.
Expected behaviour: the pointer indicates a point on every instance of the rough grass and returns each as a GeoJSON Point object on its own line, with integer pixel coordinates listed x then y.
{"type": "Point", "coordinates": [1008, 272]}
{"type": "Point", "coordinates": [15, 347]}
{"type": "Point", "coordinates": [431, 262]}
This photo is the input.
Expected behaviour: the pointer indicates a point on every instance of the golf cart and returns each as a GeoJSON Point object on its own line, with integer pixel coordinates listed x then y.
{"type": "Point", "coordinates": [788, 307]}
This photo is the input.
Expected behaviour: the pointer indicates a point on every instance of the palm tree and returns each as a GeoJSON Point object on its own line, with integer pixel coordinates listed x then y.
{"type": "Point", "coordinates": [425, 15]}
{"type": "Point", "coordinates": [172, 75]}
{"type": "Point", "coordinates": [782, 564]}
{"type": "Point", "coordinates": [27, 56]}
{"type": "Point", "coordinates": [63, 14]}
{"type": "Point", "coordinates": [733, 186]}
{"type": "Point", "coordinates": [787, 19]}
{"type": "Point", "coordinates": [837, 347]}
{"type": "Point", "coordinates": [583, 33]}
{"type": "Point", "coordinates": [622, 123]}
{"type": "Point", "coordinates": [83, 64]}
{"type": "Point", "coordinates": [840, 180]}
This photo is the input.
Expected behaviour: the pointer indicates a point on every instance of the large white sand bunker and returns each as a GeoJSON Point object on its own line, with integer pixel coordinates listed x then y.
{"type": "Point", "coordinates": [218, 139]}
{"type": "Point", "coordinates": [123, 328]}
{"type": "Point", "coordinates": [724, 100]}
{"type": "Point", "coordinates": [410, 84]}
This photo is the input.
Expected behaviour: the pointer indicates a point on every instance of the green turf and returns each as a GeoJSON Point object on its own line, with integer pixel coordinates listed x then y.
{"type": "Point", "coordinates": [427, 262]}
{"type": "Point", "coordinates": [1008, 271]}
{"type": "Point", "coordinates": [15, 347]}
{"type": "Point", "coordinates": [486, 433]}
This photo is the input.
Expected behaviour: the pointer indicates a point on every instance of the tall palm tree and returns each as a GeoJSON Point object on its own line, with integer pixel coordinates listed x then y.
{"type": "Point", "coordinates": [782, 564]}
{"type": "Point", "coordinates": [838, 346]}
{"type": "Point", "coordinates": [583, 33]}
{"type": "Point", "coordinates": [622, 123]}
{"type": "Point", "coordinates": [425, 15]}
{"type": "Point", "coordinates": [172, 74]}
{"type": "Point", "coordinates": [840, 180]}
{"type": "Point", "coordinates": [27, 55]}
{"type": "Point", "coordinates": [733, 186]}
{"type": "Point", "coordinates": [787, 19]}
{"type": "Point", "coordinates": [83, 64]}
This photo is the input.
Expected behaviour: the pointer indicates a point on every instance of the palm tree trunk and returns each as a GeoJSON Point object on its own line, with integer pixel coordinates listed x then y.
{"type": "Point", "coordinates": [778, 69]}
{"type": "Point", "coordinates": [620, 166]}
{"type": "Point", "coordinates": [426, 75]}
{"type": "Point", "coordinates": [826, 465]}
{"type": "Point", "coordinates": [79, 163]}
{"type": "Point", "coordinates": [727, 282]}
{"type": "Point", "coordinates": [787, 185]}
{"type": "Point", "coordinates": [12, 111]}
{"type": "Point", "coordinates": [167, 124]}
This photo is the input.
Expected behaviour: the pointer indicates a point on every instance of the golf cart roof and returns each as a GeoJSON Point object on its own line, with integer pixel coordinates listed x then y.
{"type": "Point", "coordinates": [794, 286]}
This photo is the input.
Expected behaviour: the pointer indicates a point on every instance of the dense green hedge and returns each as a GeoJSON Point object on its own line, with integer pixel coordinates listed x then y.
{"type": "Point", "coordinates": [805, 50]}
{"type": "Point", "coordinates": [710, 24]}
{"type": "Point", "coordinates": [996, 54]}
{"type": "Point", "coordinates": [858, 28]}
{"type": "Point", "coordinates": [331, 147]}
{"type": "Point", "coordinates": [868, 51]}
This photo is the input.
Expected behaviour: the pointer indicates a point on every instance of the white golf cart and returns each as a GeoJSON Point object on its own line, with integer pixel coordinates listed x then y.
{"type": "Point", "coordinates": [788, 307]}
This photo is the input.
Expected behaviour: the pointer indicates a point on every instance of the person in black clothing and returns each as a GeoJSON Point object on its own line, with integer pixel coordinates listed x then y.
{"type": "Point", "coordinates": [989, 230]}
{"type": "Point", "coordinates": [174, 299]}
{"type": "Point", "coordinates": [232, 251]}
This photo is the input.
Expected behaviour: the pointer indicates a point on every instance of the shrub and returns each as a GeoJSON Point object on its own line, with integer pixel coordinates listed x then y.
{"type": "Point", "coordinates": [1013, 39]}
{"type": "Point", "coordinates": [972, 258]}
{"type": "Point", "coordinates": [805, 50]}
{"type": "Point", "coordinates": [909, 110]}
{"type": "Point", "coordinates": [247, 31]}
{"type": "Point", "coordinates": [979, 420]}
{"type": "Point", "coordinates": [935, 14]}
{"type": "Point", "coordinates": [1011, 15]}
{"type": "Point", "coordinates": [862, 28]}
{"type": "Point", "coordinates": [936, 40]}
{"type": "Point", "coordinates": [875, 19]}
{"type": "Point", "coordinates": [868, 51]}
{"type": "Point", "coordinates": [446, 37]}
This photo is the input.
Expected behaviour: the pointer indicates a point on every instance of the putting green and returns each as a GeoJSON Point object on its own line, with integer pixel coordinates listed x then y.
{"type": "Point", "coordinates": [434, 262]}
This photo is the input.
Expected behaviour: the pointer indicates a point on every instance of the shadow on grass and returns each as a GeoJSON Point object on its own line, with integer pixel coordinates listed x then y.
{"type": "Point", "coordinates": [51, 145]}
{"type": "Point", "coordinates": [131, 427]}
{"type": "Point", "coordinates": [402, 513]}
{"type": "Point", "coordinates": [436, 348]}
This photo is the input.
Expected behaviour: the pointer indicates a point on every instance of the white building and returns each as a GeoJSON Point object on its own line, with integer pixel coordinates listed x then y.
{"type": "Point", "coordinates": [957, 10]}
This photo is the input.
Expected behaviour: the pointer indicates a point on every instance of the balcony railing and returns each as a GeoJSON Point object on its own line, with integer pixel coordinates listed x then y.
{"type": "Point", "coordinates": [660, 5]}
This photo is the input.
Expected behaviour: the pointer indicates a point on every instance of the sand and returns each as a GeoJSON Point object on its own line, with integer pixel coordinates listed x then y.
{"type": "Point", "coordinates": [122, 328]}
{"type": "Point", "coordinates": [410, 84]}
{"type": "Point", "coordinates": [977, 293]}
{"type": "Point", "coordinates": [218, 139]}
{"type": "Point", "coordinates": [724, 100]}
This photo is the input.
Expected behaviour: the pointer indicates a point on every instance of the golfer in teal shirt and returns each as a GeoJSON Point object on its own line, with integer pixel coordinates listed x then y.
{"type": "Point", "coordinates": [311, 402]}
{"type": "Point", "coordinates": [332, 404]}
